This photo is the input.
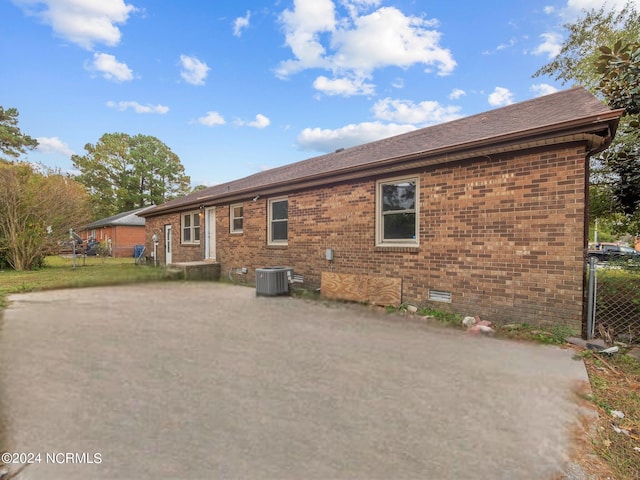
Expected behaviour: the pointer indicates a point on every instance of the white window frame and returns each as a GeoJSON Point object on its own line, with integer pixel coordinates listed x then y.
{"type": "Point", "coordinates": [192, 228]}
{"type": "Point", "coordinates": [270, 221]}
{"type": "Point", "coordinates": [397, 242]}
{"type": "Point", "coordinates": [233, 218]}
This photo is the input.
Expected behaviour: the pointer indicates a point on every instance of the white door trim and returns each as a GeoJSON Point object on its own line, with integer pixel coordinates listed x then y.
{"type": "Point", "coordinates": [168, 245]}
{"type": "Point", "coordinates": [210, 233]}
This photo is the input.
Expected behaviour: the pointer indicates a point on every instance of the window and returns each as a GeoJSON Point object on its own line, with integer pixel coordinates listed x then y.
{"type": "Point", "coordinates": [278, 221]}
{"type": "Point", "coordinates": [396, 212]}
{"type": "Point", "coordinates": [191, 228]}
{"type": "Point", "coordinates": [237, 218]}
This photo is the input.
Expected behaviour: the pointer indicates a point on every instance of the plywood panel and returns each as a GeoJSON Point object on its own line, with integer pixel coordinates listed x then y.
{"type": "Point", "coordinates": [343, 286]}
{"type": "Point", "coordinates": [361, 288]}
{"type": "Point", "coordinates": [384, 291]}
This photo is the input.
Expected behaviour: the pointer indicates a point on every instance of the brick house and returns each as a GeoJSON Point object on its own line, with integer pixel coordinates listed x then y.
{"type": "Point", "coordinates": [122, 232]}
{"type": "Point", "coordinates": [486, 215]}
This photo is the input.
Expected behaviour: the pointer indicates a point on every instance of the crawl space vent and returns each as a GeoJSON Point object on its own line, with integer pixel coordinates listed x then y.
{"type": "Point", "coordinates": [439, 296]}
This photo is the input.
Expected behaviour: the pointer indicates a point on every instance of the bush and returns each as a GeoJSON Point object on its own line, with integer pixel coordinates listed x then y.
{"type": "Point", "coordinates": [4, 264]}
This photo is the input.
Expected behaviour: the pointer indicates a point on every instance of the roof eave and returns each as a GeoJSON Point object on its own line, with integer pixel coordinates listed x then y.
{"type": "Point", "coordinates": [111, 224]}
{"type": "Point", "coordinates": [605, 123]}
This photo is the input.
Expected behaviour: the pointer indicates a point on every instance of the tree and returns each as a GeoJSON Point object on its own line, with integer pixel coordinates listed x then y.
{"type": "Point", "coordinates": [121, 173]}
{"type": "Point", "coordinates": [13, 142]}
{"type": "Point", "coordinates": [37, 207]}
{"type": "Point", "coordinates": [619, 67]}
{"type": "Point", "coordinates": [197, 188]}
{"type": "Point", "coordinates": [602, 201]}
{"type": "Point", "coordinates": [602, 53]}
{"type": "Point", "coordinates": [580, 51]}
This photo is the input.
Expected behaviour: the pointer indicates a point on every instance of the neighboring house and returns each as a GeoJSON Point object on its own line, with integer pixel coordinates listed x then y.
{"type": "Point", "coordinates": [121, 232]}
{"type": "Point", "coordinates": [487, 213]}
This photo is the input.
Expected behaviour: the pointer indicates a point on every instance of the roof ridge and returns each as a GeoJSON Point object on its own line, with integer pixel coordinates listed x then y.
{"type": "Point", "coordinates": [119, 216]}
{"type": "Point", "coordinates": [535, 115]}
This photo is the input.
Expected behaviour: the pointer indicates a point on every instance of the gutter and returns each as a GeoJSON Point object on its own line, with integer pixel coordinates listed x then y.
{"type": "Point", "coordinates": [413, 162]}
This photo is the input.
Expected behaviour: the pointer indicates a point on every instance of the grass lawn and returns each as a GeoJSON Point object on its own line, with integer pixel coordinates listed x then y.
{"type": "Point", "coordinates": [90, 271]}
{"type": "Point", "coordinates": [615, 385]}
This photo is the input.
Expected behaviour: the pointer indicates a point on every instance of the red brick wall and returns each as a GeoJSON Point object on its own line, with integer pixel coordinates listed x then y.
{"type": "Point", "coordinates": [504, 235]}
{"type": "Point", "coordinates": [181, 252]}
{"type": "Point", "coordinates": [123, 238]}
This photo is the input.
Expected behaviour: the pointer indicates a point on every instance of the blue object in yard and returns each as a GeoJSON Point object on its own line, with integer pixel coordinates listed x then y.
{"type": "Point", "coordinates": [92, 248]}
{"type": "Point", "coordinates": [138, 250]}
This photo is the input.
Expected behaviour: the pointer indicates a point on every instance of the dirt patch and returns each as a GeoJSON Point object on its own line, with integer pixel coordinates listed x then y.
{"type": "Point", "coordinates": [605, 445]}
{"type": "Point", "coordinates": [586, 464]}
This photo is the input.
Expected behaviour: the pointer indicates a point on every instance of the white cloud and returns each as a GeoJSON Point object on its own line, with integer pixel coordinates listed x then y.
{"type": "Point", "coordinates": [212, 119]}
{"type": "Point", "coordinates": [398, 83]}
{"type": "Point", "coordinates": [502, 46]}
{"type": "Point", "coordinates": [407, 112]}
{"type": "Point", "coordinates": [193, 71]}
{"type": "Point", "coordinates": [568, 13]}
{"type": "Point", "coordinates": [303, 27]}
{"type": "Point", "coordinates": [343, 86]}
{"type": "Point", "coordinates": [456, 93]}
{"type": "Point", "coordinates": [541, 89]}
{"type": "Point", "coordinates": [260, 122]}
{"type": "Point", "coordinates": [389, 38]}
{"type": "Point", "coordinates": [83, 22]}
{"type": "Point", "coordinates": [354, 46]}
{"type": "Point", "coordinates": [241, 23]}
{"type": "Point", "coordinates": [53, 145]}
{"type": "Point", "coordinates": [356, 6]}
{"type": "Point", "coordinates": [575, 7]}
{"type": "Point", "coordinates": [110, 68]}
{"type": "Point", "coordinates": [138, 107]}
{"type": "Point", "coordinates": [500, 97]}
{"type": "Point", "coordinates": [326, 140]}
{"type": "Point", "coordinates": [551, 45]}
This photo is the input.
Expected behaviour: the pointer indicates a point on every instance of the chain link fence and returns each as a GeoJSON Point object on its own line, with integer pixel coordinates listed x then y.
{"type": "Point", "coordinates": [614, 300]}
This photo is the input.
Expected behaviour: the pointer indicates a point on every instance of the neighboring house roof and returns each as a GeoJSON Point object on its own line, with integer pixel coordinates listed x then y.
{"type": "Point", "coordinates": [573, 114]}
{"type": "Point", "coordinates": [129, 219]}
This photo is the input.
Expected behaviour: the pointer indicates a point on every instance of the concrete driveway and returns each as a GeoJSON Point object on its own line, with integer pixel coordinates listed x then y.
{"type": "Point", "coordinates": [204, 381]}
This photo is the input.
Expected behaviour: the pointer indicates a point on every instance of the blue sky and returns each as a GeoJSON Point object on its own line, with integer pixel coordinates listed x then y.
{"type": "Point", "coordinates": [234, 88]}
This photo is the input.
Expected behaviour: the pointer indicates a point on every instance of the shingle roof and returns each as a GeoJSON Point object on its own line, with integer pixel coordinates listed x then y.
{"type": "Point", "coordinates": [129, 218]}
{"type": "Point", "coordinates": [571, 108]}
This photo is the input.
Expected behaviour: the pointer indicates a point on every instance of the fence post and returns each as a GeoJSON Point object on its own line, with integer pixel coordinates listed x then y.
{"type": "Point", "coordinates": [591, 305]}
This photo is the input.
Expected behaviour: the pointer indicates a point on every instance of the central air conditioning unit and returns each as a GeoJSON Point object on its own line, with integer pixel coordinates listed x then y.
{"type": "Point", "coordinates": [272, 281]}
